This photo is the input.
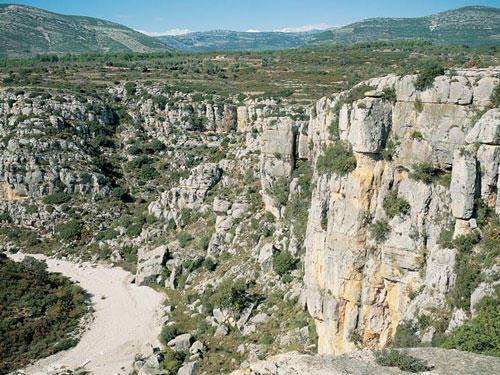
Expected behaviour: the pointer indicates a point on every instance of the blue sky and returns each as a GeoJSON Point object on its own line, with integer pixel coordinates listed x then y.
{"type": "Point", "coordinates": [160, 16]}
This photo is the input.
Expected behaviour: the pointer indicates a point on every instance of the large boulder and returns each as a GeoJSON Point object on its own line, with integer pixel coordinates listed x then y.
{"type": "Point", "coordinates": [150, 265]}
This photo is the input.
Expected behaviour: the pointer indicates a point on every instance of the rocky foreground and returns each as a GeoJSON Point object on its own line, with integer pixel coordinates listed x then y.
{"type": "Point", "coordinates": [441, 362]}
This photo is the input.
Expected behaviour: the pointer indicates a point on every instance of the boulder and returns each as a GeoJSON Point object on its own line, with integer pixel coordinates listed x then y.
{"type": "Point", "coordinates": [266, 257]}
{"type": "Point", "coordinates": [181, 342]}
{"type": "Point", "coordinates": [191, 368]}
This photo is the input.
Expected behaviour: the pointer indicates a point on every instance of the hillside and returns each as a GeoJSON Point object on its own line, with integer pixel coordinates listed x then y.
{"type": "Point", "coordinates": [225, 40]}
{"type": "Point", "coordinates": [474, 26]}
{"type": "Point", "coordinates": [27, 31]}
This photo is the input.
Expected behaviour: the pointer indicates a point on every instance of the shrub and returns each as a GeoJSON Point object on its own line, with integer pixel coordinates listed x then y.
{"type": "Point", "coordinates": [336, 159]}
{"type": "Point", "coordinates": [389, 151]}
{"type": "Point", "coordinates": [134, 150]}
{"type": "Point", "coordinates": [389, 94]}
{"type": "Point", "coordinates": [406, 335]}
{"type": "Point", "coordinates": [68, 230]}
{"type": "Point", "coordinates": [424, 172]}
{"type": "Point", "coordinates": [157, 145]}
{"type": "Point", "coordinates": [280, 191]}
{"type": "Point", "coordinates": [108, 234]}
{"type": "Point", "coordinates": [148, 172]}
{"type": "Point", "coordinates": [130, 88]}
{"type": "Point", "coordinates": [57, 198]}
{"type": "Point", "coordinates": [204, 242]}
{"type": "Point", "coordinates": [379, 230]}
{"type": "Point", "coordinates": [229, 294]}
{"type": "Point", "coordinates": [283, 262]}
{"type": "Point", "coordinates": [482, 333]}
{"type": "Point", "coordinates": [118, 193]}
{"type": "Point", "coordinates": [395, 206]}
{"type": "Point", "coordinates": [35, 300]}
{"type": "Point", "coordinates": [184, 238]}
{"type": "Point", "coordinates": [134, 230]}
{"type": "Point", "coordinates": [209, 264]}
{"type": "Point", "coordinates": [401, 360]}
{"type": "Point", "coordinates": [168, 333]}
{"type": "Point", "coordinates": [427, 75]}
{"type": "Point", "coordinates": [172, 360]}
{"type": "Point", "coordinates": [267, 339]}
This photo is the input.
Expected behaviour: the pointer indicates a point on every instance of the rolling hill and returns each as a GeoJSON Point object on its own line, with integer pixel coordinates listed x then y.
{"type": "Point", "coordinates": [27, 31]}
{"type": "Point", "coordinates": [219, 40]}
{"type": "Point", "coordinates": [474, 26]}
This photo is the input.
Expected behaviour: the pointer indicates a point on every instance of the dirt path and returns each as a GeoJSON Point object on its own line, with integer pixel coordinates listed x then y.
{"type": "Point", "coordinates": [125, 319]}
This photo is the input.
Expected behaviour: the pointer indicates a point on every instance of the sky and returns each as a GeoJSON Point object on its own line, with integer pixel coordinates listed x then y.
{"type": "Point", "coordinates": [160, 17]}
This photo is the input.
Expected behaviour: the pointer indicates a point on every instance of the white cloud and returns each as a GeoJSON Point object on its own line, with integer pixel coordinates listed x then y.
{"type": "Point", "coordinates": [168, 32]}
{"type": "Point", "coordinates": [253, 31]}
{"type": "Point", "coordinates": [298, 29]}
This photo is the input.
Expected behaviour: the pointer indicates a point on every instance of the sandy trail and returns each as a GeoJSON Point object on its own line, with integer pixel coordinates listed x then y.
{"type": "Point", "coordinates": [124, 321]}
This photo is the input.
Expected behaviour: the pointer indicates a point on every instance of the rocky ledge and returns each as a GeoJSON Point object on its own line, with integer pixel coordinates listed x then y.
{"type": "Point", "coordinates": [440, 361]}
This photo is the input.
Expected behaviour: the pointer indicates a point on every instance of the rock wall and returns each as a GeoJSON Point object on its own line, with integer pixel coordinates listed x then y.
{"type": "Point", "coordinates": [357, 285]}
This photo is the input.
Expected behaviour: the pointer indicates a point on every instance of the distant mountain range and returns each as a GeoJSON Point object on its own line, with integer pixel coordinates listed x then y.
{"type": "Point", "coordinates": [473, 26]}
{"type": "Point", "coordinates": [238, 40]}
{"type": "Point", "coordinates": [26, 31]}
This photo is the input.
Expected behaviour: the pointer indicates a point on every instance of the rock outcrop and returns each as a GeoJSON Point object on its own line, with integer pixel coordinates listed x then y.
{"type": "Point", "coordinates": [361, 263]}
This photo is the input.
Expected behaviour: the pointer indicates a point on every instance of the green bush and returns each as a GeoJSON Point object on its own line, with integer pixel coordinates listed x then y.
{"type": "Point", "coordinates": [395, 206]}
{"type": "Point", "coordinates": [401, 360]}
{"type": "Point", "coordinates": [69, 230]}
{"type": "Point", "coordinates": [148, 172]}
{"type": "Point", "coordinates": [57, 198]}
{"type": "Point", "coordinates": [157, 145]}
{"type": "Point", "coordinates": [118, 193]}
{"type": "Point", "coordinates": [406, 336]}
{"type": "Point", "coordinates": [209, 264]}
{"type": "Point", "coordinates": [134, 230]}
{"type": "Point", "coordinates": [389, 151]}
{"type": "Point", "coordinates": [283, 262]}
{"type": "Point", "coordinates": [280, 191]}
{"type": "Point", "coordinates": [229, 294]}
{"type": "Point", "coordinates": [482, 334]}
{"type": "Point", "coordinates": [107, 234]}
{"type": "Point", "coordinates": [134, 150]}
{"type": "Point", "coordinates": [379, 230]}
{"type": "Point", "coordinates": [424, 172]}
{"type": "Point", "coordinates": [267, 339]}
{"type": "Point", "coordinates": [172, 360]}
{"type": "Point", "coordinates": [427, 75]}
{"type": "Point", "coordinates": [130, 88]}
{"type": "Point", "coordinates": [184, 238]}
{"type": "Point", "coordinates": [336, 159]}
{"type": "Point", "coordinates": [168, 333]}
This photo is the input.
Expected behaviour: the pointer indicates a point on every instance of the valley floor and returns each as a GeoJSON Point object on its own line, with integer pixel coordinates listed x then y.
{"type": "Point", "coordinates": [125, 320]}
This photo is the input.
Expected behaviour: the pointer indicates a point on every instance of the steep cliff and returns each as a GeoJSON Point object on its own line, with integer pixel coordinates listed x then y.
{"type": "Point", "coordinates": [374, 256]}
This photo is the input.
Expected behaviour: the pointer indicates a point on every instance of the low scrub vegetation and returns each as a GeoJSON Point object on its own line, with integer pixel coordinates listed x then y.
{"type": "Point", "coordinates": [336, 159]}
{"type": "Point", "coordinates": [39, 312]}
{"type": "Point", "coordinates": [401, 360]}
{"type": "Point", "coordinates": [393, 205]}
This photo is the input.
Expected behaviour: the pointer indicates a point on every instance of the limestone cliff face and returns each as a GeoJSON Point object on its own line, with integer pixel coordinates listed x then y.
{"type": "Point", "coordinates": [357, 288]}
